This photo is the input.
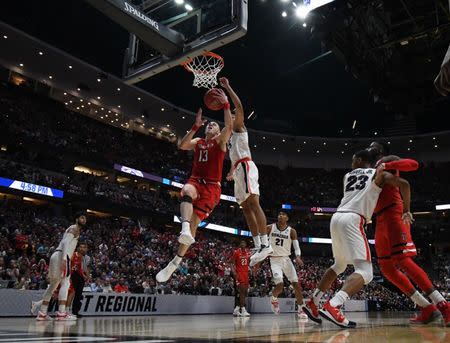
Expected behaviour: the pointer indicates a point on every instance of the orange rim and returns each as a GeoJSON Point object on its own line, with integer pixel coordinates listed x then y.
{"type": "Point", "coordinates": [186, 66]}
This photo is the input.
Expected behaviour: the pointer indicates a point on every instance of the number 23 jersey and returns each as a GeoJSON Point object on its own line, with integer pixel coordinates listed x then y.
{"type": "Point", "coordinates": [360, 192]}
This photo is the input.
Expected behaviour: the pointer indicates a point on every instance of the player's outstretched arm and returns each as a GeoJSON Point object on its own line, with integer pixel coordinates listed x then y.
{"type": "Point", "coordinates": [403, 164]}
{"type": "Point", "coordinates": [188, 142]}
{"type": "Point", "coordinates": [238, 123]}
{"type": "Point", "coordinates": [225, 134]}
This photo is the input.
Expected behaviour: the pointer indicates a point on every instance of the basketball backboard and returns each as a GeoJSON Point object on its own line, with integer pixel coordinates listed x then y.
{"type": "Point", "coordinates": [165, 33]}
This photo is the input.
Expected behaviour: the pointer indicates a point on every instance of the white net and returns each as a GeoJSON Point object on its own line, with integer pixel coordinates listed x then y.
{"type": "Point", "coordinates": [205, 69]}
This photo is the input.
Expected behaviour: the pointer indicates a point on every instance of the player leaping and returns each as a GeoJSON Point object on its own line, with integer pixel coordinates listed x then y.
{"type": "Point", "coordinates": [245, 175]}
{"type": "Point", "coordinates": [395, 247]}
{"type": "Point", "coordinates": [201, 193]}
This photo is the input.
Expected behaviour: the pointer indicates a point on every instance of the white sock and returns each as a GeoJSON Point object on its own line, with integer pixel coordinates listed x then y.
{"type": "Point", "coordinates": [339, 299]}
{"type": "Point", "coordinates": [264, 240]}
{"type": "Point", "coordinates": [419, 299]}
{"type": "Point", "coordinates": [44, 308]}
{"type": "Point", "coordinates": [257, 241]}
{"type": "Point", "coordinates": [317, 295]}
{"type": "Point", "coordinates": [274, 298]}
{"type": "Point", "coordinates": [185, 226]}
{"type": "Point", "coordinates": [62, 308]}
{"type": "Point", "coordinates": [436, 297]}
{"type": "Point", "coordinates": [176, 260]}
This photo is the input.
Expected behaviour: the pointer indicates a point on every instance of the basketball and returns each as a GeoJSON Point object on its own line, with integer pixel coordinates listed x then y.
{"type": "Point", "coordinates": [210, 101]}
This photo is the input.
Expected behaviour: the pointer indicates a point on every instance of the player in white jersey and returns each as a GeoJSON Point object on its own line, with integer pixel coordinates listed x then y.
{"type": "Point", "coordinates": [59, 271]}
{"type": "Point", "coordinates": [282, 237]}
{"type": "Point", "coordinates": [245, 175]}
{"type": "Point", "coordinates": [362, 187]}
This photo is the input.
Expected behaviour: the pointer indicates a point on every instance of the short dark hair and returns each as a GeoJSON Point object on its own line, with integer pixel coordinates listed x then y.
{"type": "Point", "coordinates": [384, 147]}
{"type": "Point", "coordinates": [284, 212]}
{"type": "Point", "coordinates": [364, 155]}
{"type": "Point", "coordinates": [80, 214]}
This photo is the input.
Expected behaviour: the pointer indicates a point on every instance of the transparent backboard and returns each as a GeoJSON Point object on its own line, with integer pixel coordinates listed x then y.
{"type": "Point", "coordinates": [205, 25]}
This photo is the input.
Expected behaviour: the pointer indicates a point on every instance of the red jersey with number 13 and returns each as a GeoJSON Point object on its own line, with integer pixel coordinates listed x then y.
{"type": "Point", "coordinates": [208, 161]}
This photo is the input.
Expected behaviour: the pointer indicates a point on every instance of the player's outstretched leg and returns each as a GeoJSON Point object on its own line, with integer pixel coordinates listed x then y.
{"type": "Point", "coordinates": [167, 272]}
{"type": "Point", "coordinates": [188, 194]}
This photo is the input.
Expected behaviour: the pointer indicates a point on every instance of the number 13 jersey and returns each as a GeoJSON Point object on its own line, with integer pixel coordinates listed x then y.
{"type": "Point", "coordinates": [281, 241]}
{"type": "Point", "coordinates": [360, 192]}
{"type": "Point", "coordinates": [208, 161]}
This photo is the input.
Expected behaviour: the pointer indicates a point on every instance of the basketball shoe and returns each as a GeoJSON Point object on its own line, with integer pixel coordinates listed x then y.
{"type": "Point", "coordinates": [427, 315]}
{"type": "Point", "coordinates": [260, 255]}
{"type": "Point", "coordinates": [244, 312]}
{"type": "Point", "coordinates": [444, 307]}
{"type": "Point", "coordinates": [311, 311]}
{"type": "Point", "coordinates": [43, 317]}
{"type": "Point", "coordinates": [334, 315]}
{"type": "Point", "coordinates": [167, 272]}
{"type": "Point", "coordinates": [63, 316]}
{"type": "Point", "coordinates": [275, 305]}
{"type": "Point", "coordinates": [186, 237]}
{"type": "Point", "coordinates": [301, 315]}
{"type": "Point", "coordinates": [236, 311]}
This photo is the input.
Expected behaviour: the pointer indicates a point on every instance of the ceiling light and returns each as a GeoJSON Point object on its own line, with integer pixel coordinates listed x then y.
{"type": "Point", "coordinates": [112, 121]}
{"type": "Point", "coordinates": [301, 12]}
{"type": "Point", "coordinates": [254, 146]}
{"type": "Point", "coordinates": [179, 2]}
{"type": "Point", "coordinates": [21, 64]}
{"type": "Point", "coordinates": [183, 117]}
{"type": "Point", "coordinates": [102, 109]}
{"type": "Point", "coordinates": [70, 101]}
{"type": "Point", "coordinates": [101, 117]}
{"type": "Point", "coordinates": [50, 77]}
{"type": "Point", "coordinates": [304, 142]}
{"type": "Point", "coordinates": [89, 103]}
{"type": "Point", "coordinates": [139, 99]}
{"type": "Point", "coordinates": [434, 138]}
{"type": "Point", "coordinates": [82, 106]}
{"type": "Point", "coordinates": [118, 106]}
{"type": "Point", "coordinates": [389, 142]}
{"type": "Point", "coordinates": [295, 5]}
{"type": "Point", "coordinates": [188, 7]}
{"type": "Point", "coordinates": [317, 151]}
{"type": "Point", "coordinates": [66, 103]}
{"type": "Point", "coordinates": [78, 89]}
{"type": "Point", "coordinates": [65, 93]}
{"type": "Point", "coordinates": [284, 14]}
{"type": "Point", "coordinates": [106, 115]}
{"type": "Point", "coordinates": [142, 116]}
{"type": "Point", "coordinates": [118, 89]}
{"type": "Point", "coordinates": [346, 144]}
{"type": "Point", "coordinates": [117, 114]}
{"type": "Point", "coordinates": [70, 67]}
{"type": "Point", "coordinates": [304, 25]}
{"type": "Point", "coordinates": [324, 143]}
{"type": "Point", "coordinates": [98, 98]}
{"type": "Point", "coordinates": [78, 108]}
{"type": "Point", "coordinates": [298, 150]}
{"type": "Point", "coordinates": [98, 80]}
{"type": "Point", "coordinates": [342, 152]}
{"type": "Point", "coordinates": [168, 125]}
{"type": "Point", "coordinates": [410, 140]}
{"type": "Point", "coordinates": [162, 109]}
{"type": "Point", "coordinates": [81, 100]}
{"type": "Point", "coordinates": [409, 149]}
{"type": "Point", "coordinates": [41, 53]}
{"type": "Point", "coordinates": [284, 140]}
{"type": "Point", "coordinates": [435, 146]}
{"type": "Point", "coordinates": [274, 148]}
{"type": "Point", "coordinates": [375, 133]}
{"type": "Point", "coordinates": [109, 111]}
{"type": "Point", "coordinates": [264, 137]}
{"type": "Point", "coordinates": [5, 36]}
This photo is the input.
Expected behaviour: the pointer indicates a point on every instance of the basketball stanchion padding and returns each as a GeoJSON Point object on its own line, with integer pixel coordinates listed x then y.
{"type": "Point", "coordinates": [205, 68]}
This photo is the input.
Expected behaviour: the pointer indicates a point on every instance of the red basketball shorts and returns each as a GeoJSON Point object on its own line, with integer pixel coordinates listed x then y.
{"type": "Point", "coordinates": [393, 237]}
{"type": "Point", "coordinates": [208, 197]}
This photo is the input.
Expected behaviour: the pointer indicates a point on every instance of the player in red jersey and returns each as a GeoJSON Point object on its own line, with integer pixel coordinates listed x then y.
{"type": "Point", "coordinates": [201, 193]}
{"type": "Point", "coordinates": [395, 247]}
{"type": "Point", "coordinates": [240, 269]}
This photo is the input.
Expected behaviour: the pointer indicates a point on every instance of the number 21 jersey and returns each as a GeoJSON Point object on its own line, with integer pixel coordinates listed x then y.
{"type": "Point", "coordinates": [360, 192]}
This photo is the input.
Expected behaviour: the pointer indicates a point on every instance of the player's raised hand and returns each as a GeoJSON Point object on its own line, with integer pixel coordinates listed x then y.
{"type": "Point", "coordinates": [299, 261]}
{"type": "Point", "coordinates": [407, 218]}
{"type": "Point", "coordinates": [230, 176]}
{"type": "Point", "coordinates": [224, 82]}
{"type": "Point", "coordinates": [199, 121]}
{"type": "Point", "coordinates": [220, 96]}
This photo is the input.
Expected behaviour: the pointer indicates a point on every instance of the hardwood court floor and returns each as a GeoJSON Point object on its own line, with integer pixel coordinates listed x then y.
{"type": "Point", "coordinates": [372, 327]}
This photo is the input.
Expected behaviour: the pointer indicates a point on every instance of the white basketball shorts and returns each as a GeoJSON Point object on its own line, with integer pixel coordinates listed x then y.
{"type": "Point", "coordinates": [245, 181]}
{"type": "Point", "coordinates": [348, 238]}
{"type": "Point", "coordinates": [283, 265]}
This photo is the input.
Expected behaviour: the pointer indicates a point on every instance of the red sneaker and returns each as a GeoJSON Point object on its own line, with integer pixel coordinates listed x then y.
{"type": "Point", "coordinates": [444, 307]}
{"type": "Point", "coordinates": [427, 315]}
{"type": "Point", "coordinates": [334, 315]}
{"type": "Point", "coordinates": [311, 311]}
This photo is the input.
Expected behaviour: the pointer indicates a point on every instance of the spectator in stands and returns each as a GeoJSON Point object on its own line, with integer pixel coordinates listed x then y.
{"type": "Point", "coordinates": [121, 287]}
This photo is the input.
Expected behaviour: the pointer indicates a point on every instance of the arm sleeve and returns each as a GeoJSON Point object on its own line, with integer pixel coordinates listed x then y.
{"type": "Point", "coordinates": [65, 243]}
{"type": "Point", "coordinates": [297, 248]}
{"type": "Point", "coordinates": [405, 164]}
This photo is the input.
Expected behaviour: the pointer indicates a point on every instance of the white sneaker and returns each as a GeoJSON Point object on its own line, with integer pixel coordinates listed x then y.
{"type": "Point", "coordinates": [275, 305]}
{"type": "Point", "coordinates": [260, 255]}
{"type": "Point", "coordinates": [34, 306]}
{"type": "Point", "coordinates": [64, 316]}
{"type": "Point", "coordinates": [166, 273]}
{"type": "Point", "coordinates": [236, 311]}
{"type": "Point", "coordinates": [302, 315]}
{"type": "Point", "coordinates": [43, 317]}
{"type": "Point", "coordinates": [186, 237]}
{"type": "Point", "coordinates": [244, 312]}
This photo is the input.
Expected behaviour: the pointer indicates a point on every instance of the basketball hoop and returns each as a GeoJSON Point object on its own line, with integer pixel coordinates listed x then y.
{"type": "Point", "coordinates": [205, 69]}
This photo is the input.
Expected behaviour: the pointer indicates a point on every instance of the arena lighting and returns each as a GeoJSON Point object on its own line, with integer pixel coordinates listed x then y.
{"type": "Point", "coordinates": [179, 2]}
{"type": "Point", "coordinates": [5, 36]}
{"type": "Point", "coordinates": [41, 53]}
{"type": "Point", "coordinates": [162, 109]}
{"type": "Point", "coordinates": [284, 14]}
{"type": "Point", "coordinates": [118, 106]}
{"type": "Point", "coordinates": [50, 77]}
{"type": "Point", "coordinates": [443, 207]}
{"type": "Point", "coordinates": [188, 7]}
{"type": "Point", "coordinates": [302, 12]}
{"type": "Point", "coordinates": [70, 67]}
{"type": "Point", "coordinates": [251, 114]}
{"type": "Point", "coordinates": [421, 213]}
{"type": "Point", "coordinates": [21, 64]}
{"type": "Point", "coordinates": [99, 80]}
{"type": "Point", "coordinates": [304, 25]}
{"type": "Point", "coordinates": [354, 125]}
{"type": "Point", "coordinates": [183, 117]}
{"type": "Point", "coordinates": [139, 99]}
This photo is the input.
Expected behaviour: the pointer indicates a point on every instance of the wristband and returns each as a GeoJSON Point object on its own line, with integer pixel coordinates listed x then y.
{"type": "Point", "coordinates": [226, 106]}
{"type": "Point", "coordinates": [195, 128]}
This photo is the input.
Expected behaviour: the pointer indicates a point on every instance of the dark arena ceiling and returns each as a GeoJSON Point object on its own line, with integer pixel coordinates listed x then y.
{"type": "Point", "coordinates": [354, 68]}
